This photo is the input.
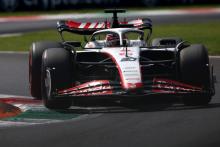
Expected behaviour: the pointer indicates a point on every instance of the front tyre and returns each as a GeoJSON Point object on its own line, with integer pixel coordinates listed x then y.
{"type": "Point", "coordinates": [194, 70]}
{"type": "Point", "coordinates": [35, 61]}
{"type": "Point", "coordinates": [56, 74]}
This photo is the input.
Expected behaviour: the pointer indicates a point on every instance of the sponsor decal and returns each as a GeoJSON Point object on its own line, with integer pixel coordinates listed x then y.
{"type": "Point", "coordinates": [123, 52]}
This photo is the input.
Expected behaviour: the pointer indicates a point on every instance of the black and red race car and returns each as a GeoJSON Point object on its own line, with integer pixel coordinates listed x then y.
{"type": "Point", "coordinates": [118, 61]}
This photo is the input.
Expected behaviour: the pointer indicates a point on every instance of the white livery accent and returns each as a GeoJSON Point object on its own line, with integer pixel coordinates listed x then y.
{"type": "Point", "coordinates": [128, 66]}
{"type": "Point", "coordinates": [126, 58]}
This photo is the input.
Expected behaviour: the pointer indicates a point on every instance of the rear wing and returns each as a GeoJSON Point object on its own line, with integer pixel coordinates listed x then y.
{"type": "Point", "coordinates": [82, 28]}
{"type": "Point", "coordinates": [88, 28]}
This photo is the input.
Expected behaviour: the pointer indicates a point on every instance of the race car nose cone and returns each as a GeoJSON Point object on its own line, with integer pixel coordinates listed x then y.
{"type": "Point", "coordinates": [135, 88]}
{"type": "Point", "coordinates": [7, 110]}
{"type": "Point", "coordinates": [134, 85]}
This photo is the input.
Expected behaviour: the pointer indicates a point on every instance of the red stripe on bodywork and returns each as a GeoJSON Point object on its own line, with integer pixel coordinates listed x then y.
{"type": "Point", "coordinates": [171, 86]}
{"type": "Point", "coordinates": [73, 24]}
{"type": "Point", "coordinates": [97, 87]}
{"type": "Point", "coordinates": [87, 25]}
{"type": "Point", "coordinates": [125, 85]}
{"type": "Point", "coordinates": [119, 70]}
{"type": "Point", "coordinates": [176, 83]}
{"type": "Point", "coordinates": [96, 25]}
{"type": "Point", "coordinates": [88, 84]}
{"type": "Point", "coordinates": [76, 25]}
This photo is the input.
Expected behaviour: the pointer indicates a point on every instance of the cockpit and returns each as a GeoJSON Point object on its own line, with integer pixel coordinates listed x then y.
{"type": "Point", "coordinates": [117, 38]}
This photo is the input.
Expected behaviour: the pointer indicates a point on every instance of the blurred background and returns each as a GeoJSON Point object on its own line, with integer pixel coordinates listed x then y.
{"type": "Point", "coordinates": [27, 21]}
{"type": "Point", "coordinates": [20, 5]}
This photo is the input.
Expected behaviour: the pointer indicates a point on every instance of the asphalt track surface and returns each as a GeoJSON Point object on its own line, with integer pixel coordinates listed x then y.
{"type": "Point", "coordinates": [29, 26]}
{"type": "Point", "coordinates": [150, 123]}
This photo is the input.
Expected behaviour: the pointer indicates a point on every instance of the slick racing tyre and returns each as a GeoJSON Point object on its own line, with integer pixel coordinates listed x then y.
{"type": "Point", "coordinates": [194, 70]}
{"type": "Point", "coordinates": [169, 41]}
{"type": "Point", "coordinates": [35, 60]}
{"type": "Point", "coordinates": [56, 74]}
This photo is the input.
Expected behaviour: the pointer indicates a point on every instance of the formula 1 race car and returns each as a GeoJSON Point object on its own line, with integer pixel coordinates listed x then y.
{"type": "Point", "coordinates": [118, 62]}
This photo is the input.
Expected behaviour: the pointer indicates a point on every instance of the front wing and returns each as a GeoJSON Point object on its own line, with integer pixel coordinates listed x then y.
{"type": "Point", "coordinates": [157, 86]}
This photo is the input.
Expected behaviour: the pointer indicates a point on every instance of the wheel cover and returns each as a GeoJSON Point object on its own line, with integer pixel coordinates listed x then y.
{"type": "Point", "coordinates": [48, 84]}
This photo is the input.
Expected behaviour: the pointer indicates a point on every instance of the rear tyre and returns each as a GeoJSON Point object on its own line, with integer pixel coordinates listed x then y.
{"type": "Point", "coordinates": [56, 74]}
{"type": "Point", "coordinates": [194, 70]}
{"type": "Point", "coordinates": [35, 61]}
{"type": "Point", "coordinates": [169, 41]}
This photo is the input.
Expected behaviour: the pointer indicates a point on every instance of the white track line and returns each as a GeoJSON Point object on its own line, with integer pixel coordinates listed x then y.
{"type": "Point", "coordinates": [214, 57]}
{"type": "Point", "coordinates": [13, 52]}
{"type": "Point", "coordinates": [10, 35]}
{"type": "Point", "coordinates": [16, 96]}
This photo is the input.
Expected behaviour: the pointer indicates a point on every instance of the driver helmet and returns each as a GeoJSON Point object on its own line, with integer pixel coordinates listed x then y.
{"type": "Point", "coordinates": [112, 40]}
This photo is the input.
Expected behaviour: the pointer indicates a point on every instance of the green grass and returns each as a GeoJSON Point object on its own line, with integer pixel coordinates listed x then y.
{"type": "Point", "coordinates": [205, 33]}
{"type": "Point", "coordinates": [22, 43]}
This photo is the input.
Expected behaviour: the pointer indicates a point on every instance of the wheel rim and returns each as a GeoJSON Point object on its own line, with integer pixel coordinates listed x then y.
{"type": "Point", "coordinates": [48, 83]}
